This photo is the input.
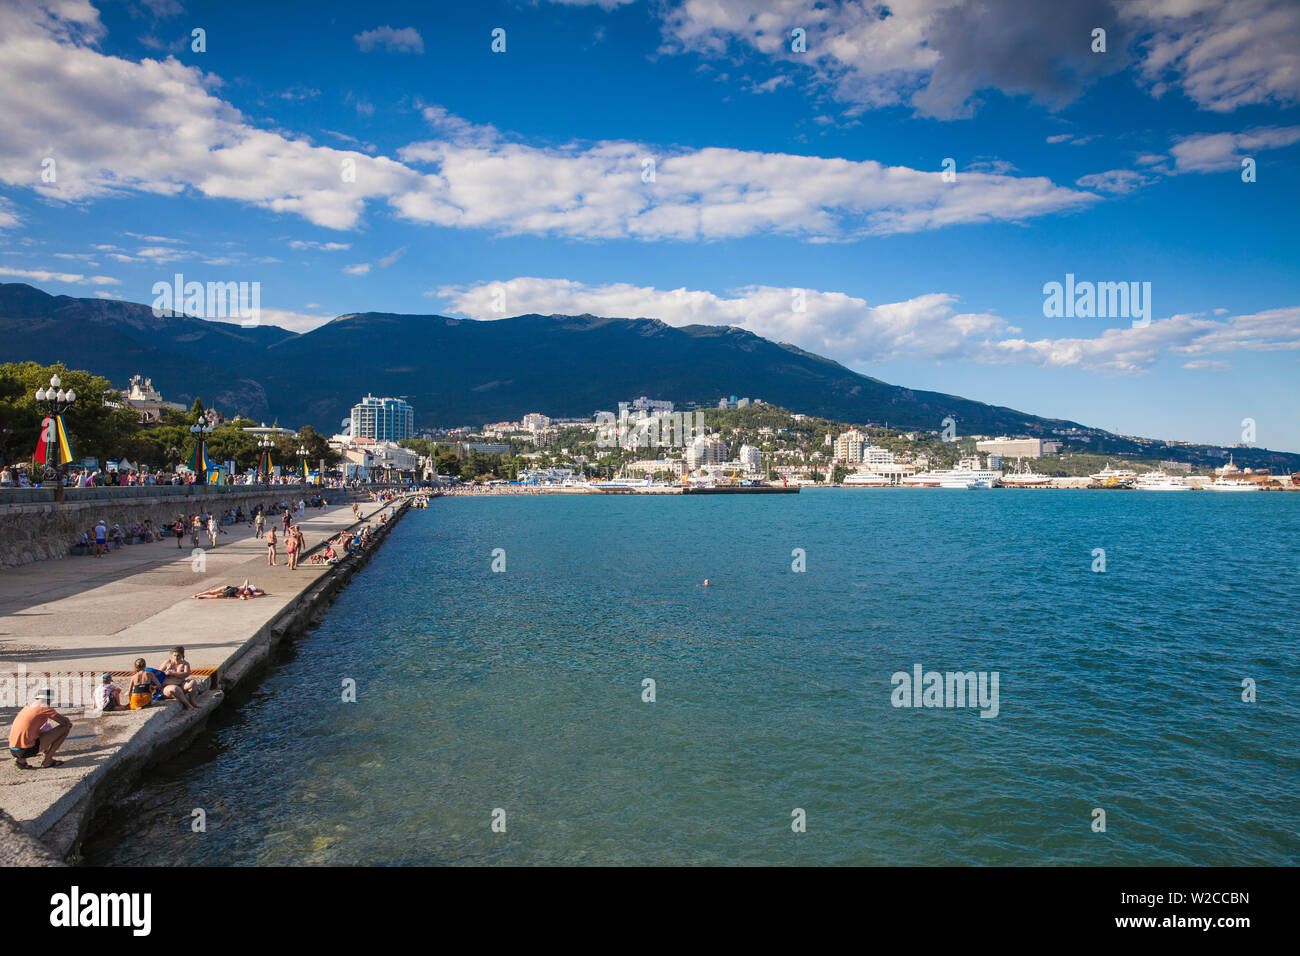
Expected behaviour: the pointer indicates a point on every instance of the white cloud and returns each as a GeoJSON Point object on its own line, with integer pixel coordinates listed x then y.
{"type": "Point", "coordinates": [406, 40]}
{"type": "Point", "coordinates": [386, 261]}
{"type": "Point", "coordinates": [1221, 55]}
{"type": "Point", "coordinates": [856, 333]}
{"type": "Point", "coordinates": [293, 321]}
{"type": "Point", "coordinates": [322, 246]}
{"type": "Point", "coordinates": [42, 275]}
{"type": "Point", "coordinates": [597, 191]}
{"type": "Point", "coordinates": [938, 55]}
{"type": "Point", "coordinates": [360, 269]}
{"type": "Point", "coordinates": [934, 55]}
{"type": "Point", "coordinates": [1214, 152]}
{"type": "Point", "coordinates": [94, 110]}
{"type": "Point", "coordinates": [161, 254]}
{"type": "Point", "coordinates": [833, 324]}
{"type": "Point", "coordinates": [1118, 181]}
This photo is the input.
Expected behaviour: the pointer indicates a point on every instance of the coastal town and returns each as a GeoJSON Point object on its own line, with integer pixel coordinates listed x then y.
{"type": "Point", "coordinates": [646, 445]}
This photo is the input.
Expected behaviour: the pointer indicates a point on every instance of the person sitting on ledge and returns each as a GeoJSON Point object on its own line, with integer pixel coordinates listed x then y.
{"type": "Point", "coordinates": [178, 685]}
{"type": "Point", "coordinates": [29, 737]}
{"type": "Point", "coordinates": [108, 696]}
{"type": "Point", "coordinates": [143, 685]}
{"type": "Point", "coordinates": [243, 592]}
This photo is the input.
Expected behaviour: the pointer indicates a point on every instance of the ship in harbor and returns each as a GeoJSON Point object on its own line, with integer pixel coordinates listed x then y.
{"type": "Point", "coordinates": [1230, 480]}
{"type": "Point", "coordinates": [1025, 477]}
{"type": "Point", "coordinates": [865, 479]}
{"type": "Point", "coordinates": [968, 474]}
{"type": "Point", "coordinates": [1160, 481]}
{"type": "Point", "coordinates": [1110, 477]}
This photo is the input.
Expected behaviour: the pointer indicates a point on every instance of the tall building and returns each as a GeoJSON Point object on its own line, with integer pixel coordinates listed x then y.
{"type": "Point", "coordinates": [535, 420]}
{"type": "Point", "coordinates": [704, 451]}
{"type": "Point", "coordinates": [850, 446]}
{"type": "Point", "coordinates": [751, 459]}
{"type": "Point", "coordinates": [383, 419]}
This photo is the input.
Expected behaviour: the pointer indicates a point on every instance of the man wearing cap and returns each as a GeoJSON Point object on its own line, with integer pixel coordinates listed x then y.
{"type": "Point", "coordinates": [101, 537]}
{"type": "Point", "coordinates": [26, 738]}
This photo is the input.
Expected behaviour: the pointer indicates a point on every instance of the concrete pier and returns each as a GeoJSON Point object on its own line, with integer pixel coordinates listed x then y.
{"type": "Point", "coordinates": [85, 615]}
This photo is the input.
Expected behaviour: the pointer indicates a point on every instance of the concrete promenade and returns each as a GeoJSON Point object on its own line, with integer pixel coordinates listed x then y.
{"type": "Point", "coordinates": [90, 615]}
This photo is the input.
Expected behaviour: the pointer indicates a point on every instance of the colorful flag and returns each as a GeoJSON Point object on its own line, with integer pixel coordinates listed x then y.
{"type": "Point", "coordinates": [65, 452]}
{"type": "Point", "coordinates": [199, 459]}
{"type": "Point", "coordinates": [53, 432]}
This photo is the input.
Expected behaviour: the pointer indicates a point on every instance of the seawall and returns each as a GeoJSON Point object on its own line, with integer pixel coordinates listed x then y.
{"type": "Point", "coordinates": [60, 813]}
{"type": "Point", "coordinates": [34, 527]}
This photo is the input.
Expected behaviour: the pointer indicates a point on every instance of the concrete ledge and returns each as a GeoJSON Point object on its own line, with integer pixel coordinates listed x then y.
{"type": "Point", "coordinates": [20, 848]}
{"type": "Point", "coordinates": [128, 744]}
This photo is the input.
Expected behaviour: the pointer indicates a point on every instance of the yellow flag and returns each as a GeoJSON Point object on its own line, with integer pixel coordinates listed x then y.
{"type": "Point", "coordinates": [65, 453]}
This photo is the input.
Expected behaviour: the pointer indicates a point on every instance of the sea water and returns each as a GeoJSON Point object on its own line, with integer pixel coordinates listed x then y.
{"type": "Point", "coordinates": [592, 703]}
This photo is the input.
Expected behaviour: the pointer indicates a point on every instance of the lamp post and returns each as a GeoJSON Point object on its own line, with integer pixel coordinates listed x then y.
{"type": "Point", "coordinates": [201, 431]}
{"type": "Point", "coordinates": [302, 454]}
{"type": "Point", "coordinates": [54, 401]}
{"type": "Point", "coordinates": [264, 456]}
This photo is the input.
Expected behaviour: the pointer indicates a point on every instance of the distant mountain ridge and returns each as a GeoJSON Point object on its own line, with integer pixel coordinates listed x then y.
{"type": "Point", "coordinates": [458, 371]}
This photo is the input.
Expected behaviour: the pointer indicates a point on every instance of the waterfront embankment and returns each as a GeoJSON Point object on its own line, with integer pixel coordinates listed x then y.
{"type": "Point", "coordinates": [63, 623]}
{"type": "Point", "coordinates": [36, 527]}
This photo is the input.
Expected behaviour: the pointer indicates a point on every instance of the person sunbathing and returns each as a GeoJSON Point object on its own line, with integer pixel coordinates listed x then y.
{"type": "Point", "coordinates": [243, 592]}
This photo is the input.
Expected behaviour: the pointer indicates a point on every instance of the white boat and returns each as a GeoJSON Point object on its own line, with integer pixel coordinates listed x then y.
{"type": "Point", "coordinates": [967, 474]}
{"type": "Point", "coordinates": [1233, 484]}
{"type": "Point", "coordinates": [1025, 477]}
{"type": "Point", "coordinates": [865, 479]}
{"type": "Point", "coordinates": [1159, 481]}
{"type": "Point", "coordinates": [1110, 477]}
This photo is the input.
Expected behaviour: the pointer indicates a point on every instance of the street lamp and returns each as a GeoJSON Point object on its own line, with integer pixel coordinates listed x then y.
{"type": "Point", "coordinates": [302, 454]}
{"type": "Point", "coordinates": [201, 431]}
{"type": "Point", "coordinates": [264, 458]}
{"type": "Point", "coordinates": [54, 401]}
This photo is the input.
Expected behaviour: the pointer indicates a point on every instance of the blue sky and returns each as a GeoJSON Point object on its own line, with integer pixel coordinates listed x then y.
{"type": "Point", "coordinates": [491, 184]}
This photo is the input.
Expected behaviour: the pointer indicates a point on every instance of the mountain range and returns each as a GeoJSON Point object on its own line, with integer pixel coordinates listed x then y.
{"type": "Point", "coordinates": [459, 371]}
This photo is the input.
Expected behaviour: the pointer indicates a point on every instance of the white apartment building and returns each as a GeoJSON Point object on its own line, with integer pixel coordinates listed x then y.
{"type": "Point", "coordinates": [535, 420]}
{"type": "Point", "coordinates": [751, 459]}
{"type": "Point", "coordinates": [873, 456]}
{"type": "Point", "coordinates": [850, 446]}
{"type": "Point", "coordinates": [1018, 447]}
{"type": "Point", "coordinates": [643, 404]}
{"type": "Point", "coordinates": [704, 451]}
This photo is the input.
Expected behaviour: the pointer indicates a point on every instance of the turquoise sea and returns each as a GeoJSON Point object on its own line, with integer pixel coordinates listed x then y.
{"type": "Point", "coordinates": [523, 690]}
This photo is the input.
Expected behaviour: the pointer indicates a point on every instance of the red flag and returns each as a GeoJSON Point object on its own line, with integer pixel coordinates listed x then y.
{"type": "Point", "coordinates": [39, 455]}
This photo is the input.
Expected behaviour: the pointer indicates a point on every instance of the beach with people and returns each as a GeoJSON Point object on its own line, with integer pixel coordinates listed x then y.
{"type": "Point", "coordinates": [96, 642]}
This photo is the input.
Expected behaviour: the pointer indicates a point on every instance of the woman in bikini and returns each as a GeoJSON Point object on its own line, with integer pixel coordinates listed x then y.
{"type": "Point", "coordinates": [143, 684]}
{"type": "Point", "coordinates": [291, 547]}
{"type": "Point", "coordinates": [179, 685]}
